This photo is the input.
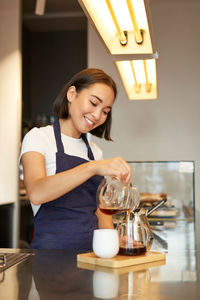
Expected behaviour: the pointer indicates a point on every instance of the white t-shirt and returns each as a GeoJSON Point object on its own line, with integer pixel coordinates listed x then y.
{"type": "Point", "coordinates": [42, 140]}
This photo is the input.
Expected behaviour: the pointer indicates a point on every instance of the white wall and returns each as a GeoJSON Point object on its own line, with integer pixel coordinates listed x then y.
{"type": "Point", "coordinates": [10, 99]}
{"type": "Point", "coordinates": [167, 128]}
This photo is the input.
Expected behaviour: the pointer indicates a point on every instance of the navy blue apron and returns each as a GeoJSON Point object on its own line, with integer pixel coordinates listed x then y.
{"type": "Point", "coordinates": [68, 222]}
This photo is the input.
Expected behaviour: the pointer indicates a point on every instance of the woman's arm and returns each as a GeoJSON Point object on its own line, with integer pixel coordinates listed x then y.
{"type": "Point", "coordinates": [42, 188]}
{"type": "Point", "coordinates": [104, 221]}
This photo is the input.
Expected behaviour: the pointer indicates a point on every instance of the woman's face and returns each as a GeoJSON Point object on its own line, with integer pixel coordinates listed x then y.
{"type": "Point", "coordinates": [89, 108]}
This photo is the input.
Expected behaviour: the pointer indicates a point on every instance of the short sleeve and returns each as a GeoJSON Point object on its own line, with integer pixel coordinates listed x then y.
{"type": "Point", "coordinates": [33, 141]}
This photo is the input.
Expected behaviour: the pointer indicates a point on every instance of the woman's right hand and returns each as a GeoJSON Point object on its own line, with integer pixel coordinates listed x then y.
{"type": "Point", "coordinates": [114, 167]}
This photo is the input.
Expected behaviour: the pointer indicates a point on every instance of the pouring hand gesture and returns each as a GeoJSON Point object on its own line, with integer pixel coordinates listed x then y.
{"type": "Point", "coordinates": [114, 167]}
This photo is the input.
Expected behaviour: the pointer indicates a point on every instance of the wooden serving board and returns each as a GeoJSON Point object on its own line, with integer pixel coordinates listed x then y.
{"type": "Point", "coordinates": [122, 270]}
{"type": "Point", "coordinates": [120, 261]}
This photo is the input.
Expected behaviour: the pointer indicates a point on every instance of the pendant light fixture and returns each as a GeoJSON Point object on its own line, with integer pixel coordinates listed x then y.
{"type": "Point", "coordinates": [139, 78]}
{"type": "Point", "coordinates": [124, 25]}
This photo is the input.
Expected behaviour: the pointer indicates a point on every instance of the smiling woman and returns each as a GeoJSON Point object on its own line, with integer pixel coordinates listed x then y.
{"type": "Point", "coordinates": [62, 171]}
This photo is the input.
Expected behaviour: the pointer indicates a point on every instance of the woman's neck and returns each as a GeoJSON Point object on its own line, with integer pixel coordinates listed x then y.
{"type": "Point", "coordinates": [67, 128]}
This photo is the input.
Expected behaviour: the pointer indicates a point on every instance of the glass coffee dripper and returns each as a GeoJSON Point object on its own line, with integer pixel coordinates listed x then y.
{"type": "Point", "coordinates": [115, 197]}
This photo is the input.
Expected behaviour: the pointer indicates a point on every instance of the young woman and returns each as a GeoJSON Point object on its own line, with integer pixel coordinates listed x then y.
{"type": "Point", "coordinates": [62, 171]}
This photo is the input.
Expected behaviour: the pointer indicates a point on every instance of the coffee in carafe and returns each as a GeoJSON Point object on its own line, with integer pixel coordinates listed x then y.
{"type": "Point", "coordinates": [137, 248]}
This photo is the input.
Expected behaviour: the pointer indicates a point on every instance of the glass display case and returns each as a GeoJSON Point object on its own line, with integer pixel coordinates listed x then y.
{"type": "Point", "coordinates": [171, 179]}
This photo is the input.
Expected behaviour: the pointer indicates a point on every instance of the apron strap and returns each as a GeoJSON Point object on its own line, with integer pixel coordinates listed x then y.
{"type": "Point", "coordinates": [60, 148]}
{"type": "Point", "coordinates": [90, 154]}
{"type": "Point", "coordinates": [56, 127]}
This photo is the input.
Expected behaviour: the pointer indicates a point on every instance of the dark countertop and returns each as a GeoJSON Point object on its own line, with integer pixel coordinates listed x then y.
{"type": "Point", "coordinates": [54, 275]}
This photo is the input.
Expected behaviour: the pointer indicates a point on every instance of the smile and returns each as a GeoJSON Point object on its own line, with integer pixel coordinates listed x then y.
{"type": "Point", "coordinates": [89, 121]}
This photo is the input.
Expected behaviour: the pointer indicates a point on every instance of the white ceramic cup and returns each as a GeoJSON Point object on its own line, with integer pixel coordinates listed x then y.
{"type": "Point", "coordinates": [105, 242]}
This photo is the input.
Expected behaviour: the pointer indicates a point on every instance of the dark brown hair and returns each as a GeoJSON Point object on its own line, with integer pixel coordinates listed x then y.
{"type": "Point", "coordinates": [83, 80]}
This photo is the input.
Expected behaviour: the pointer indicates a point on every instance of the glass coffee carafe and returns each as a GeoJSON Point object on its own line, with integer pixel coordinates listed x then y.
{"type": "Point", "coordinates": [115, 197]}
{"type": "Point", "coordinates": [135, 235]}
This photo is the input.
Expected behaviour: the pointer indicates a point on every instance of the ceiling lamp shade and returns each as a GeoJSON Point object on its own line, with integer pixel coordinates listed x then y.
{"type": "Point", "coordinates": [139, 78]}
{"type": "Point", "coordinates": [124, 25]}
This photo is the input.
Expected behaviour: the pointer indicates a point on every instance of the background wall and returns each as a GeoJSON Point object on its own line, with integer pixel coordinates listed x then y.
{"type": "Point", "coordinates": [10, 104]}
{"type": "Point", "coordinates": [167, 128]}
